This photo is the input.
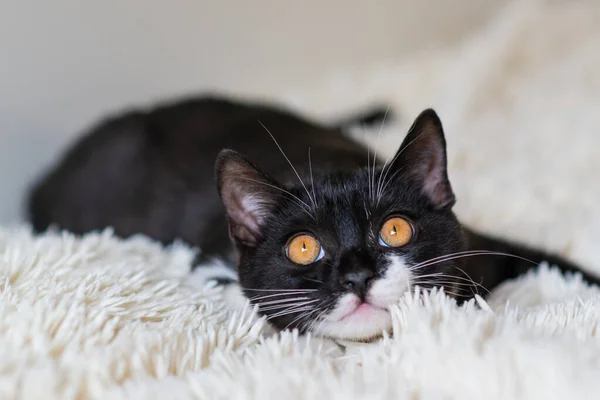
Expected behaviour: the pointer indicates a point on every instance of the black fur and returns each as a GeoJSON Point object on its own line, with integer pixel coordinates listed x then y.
{"type": "Point", "coordinates": [152, 173]}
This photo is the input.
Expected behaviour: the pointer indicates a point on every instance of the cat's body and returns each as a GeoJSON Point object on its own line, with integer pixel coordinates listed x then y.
{"type": "Point", "coordinates": [153, 173]}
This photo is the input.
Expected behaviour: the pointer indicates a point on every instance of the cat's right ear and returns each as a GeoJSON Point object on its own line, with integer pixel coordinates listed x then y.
{"type": "Point", "coordinates": [248, 195]}
{"type": "Point", "coordinates": [422, 156]}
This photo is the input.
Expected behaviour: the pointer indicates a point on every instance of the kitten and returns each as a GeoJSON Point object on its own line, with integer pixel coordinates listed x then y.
{"type": "Point", "coordinates": [321, 236]}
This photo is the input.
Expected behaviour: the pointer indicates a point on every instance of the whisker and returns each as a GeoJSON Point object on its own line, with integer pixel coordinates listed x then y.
{"type": "Point", "coordinates": [293, 308]}
{"type": "Point", "coordinates": [312, 181]}
{"type": "Point", "coordinates": [302, 316]}
{"type": "Point", "coordinates": [287, 300]}
{"type": "Point", "coordinates": [445, 289]}
{"type": "Point", "coordinates": [445, 282]}
{"type": "Point", "coordinates": [473, 254]}
{"type": "Point", "coordinates": [275, 295]}
{"type": "Point", "coordinates": [367, 213]}
{"type": "Point", "coordinates": [317, 321]}
{"type": "Point", "coordinates": [369, 168]}
{"type": "Point", "coordinates": [380, 181]}
{"type": "Point", "coordinates": [428, 275]}
{"type": "Point", "coordinates": [385, 172]}
{"type": "Point", "coordinates": [448, 255]}
{"type": "Point", "coordinates": [377, 147]}
{"type": "Point", "coordinates": [289, 162]}
{"type": "Point", "coordinates": [287, 306]}
{"type": "Point", "coordinates": [287, 312]}
{"type": "Point", "coordinates": [455, 294]}
{"type": "Point", "coordinates": [463, 253]}
{"type": "Point", "coordinates": [441, 283]}
{"type": "Point", "coordinates": [441, 274]}
{"type": "Point", "coordinates": [280, 307]}
{"type": "Point", "coordinates": [311, 280]}
{"type": "Point", "coordinates": [468, 277]}
{"type": "Point", "coordinates": [387, 182]}
{"type": "Point", "coordinates": [453, 256]}
{"type": "Point", "coordinates": [364, 131]}
{"type": "Point", "coordinates": [282, 290]}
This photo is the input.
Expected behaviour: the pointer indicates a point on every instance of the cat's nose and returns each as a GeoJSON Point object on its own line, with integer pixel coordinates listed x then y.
{"type": "Point", "coordinates": [357, 281]}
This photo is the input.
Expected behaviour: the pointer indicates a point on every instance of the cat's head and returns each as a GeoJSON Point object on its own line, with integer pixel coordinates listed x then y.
{"type": "Point", "coordinates": [331, 257]}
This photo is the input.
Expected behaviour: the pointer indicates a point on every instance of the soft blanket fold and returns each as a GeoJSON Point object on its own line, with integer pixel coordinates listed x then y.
{"type": "Point", "coordinates": [105, 318]}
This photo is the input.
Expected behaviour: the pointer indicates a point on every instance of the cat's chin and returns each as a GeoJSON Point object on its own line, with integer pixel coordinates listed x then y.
{"type": "Point", "coordinates": [364, 326]}
{"type": "Point", "coordinates": [353, 320]}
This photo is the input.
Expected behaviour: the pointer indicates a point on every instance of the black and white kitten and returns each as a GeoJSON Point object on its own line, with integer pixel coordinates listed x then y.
{"type": "Point", "coordinates": [321, 236]}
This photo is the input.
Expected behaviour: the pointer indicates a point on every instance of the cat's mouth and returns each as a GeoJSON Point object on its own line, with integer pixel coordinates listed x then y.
{"type": "Point", "coordinates": [355, 319]}
{"type": "Point", "coordinates": [361, 311]}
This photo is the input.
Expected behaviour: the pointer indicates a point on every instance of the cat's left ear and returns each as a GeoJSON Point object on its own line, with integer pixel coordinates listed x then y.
{"type": "Point", "coordinates": [422, 156]}
{"type": "Point", "coordinates": [248, 195]}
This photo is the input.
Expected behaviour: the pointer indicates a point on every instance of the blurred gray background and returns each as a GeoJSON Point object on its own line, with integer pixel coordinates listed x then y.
{"type": "Point", "coordinates": [65, 63]}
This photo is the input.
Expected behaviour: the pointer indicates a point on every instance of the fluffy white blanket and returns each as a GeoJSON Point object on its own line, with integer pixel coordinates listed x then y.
{"type": "Point", "coordinates": [102, 318]}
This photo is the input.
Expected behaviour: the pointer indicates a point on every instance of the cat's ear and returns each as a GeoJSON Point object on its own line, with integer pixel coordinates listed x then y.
{"type": "Point", "coordinates": [248, 195]}
{"type": "Point", "coordinates": [422, 156]}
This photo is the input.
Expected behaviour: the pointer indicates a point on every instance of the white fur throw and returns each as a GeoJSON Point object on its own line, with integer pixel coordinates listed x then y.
{"type": "Point", "coordinates": [103, 318]}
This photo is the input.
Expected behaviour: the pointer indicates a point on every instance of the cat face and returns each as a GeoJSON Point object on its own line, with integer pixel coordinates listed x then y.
{"type": "Point", "coordinates": [331, 257]}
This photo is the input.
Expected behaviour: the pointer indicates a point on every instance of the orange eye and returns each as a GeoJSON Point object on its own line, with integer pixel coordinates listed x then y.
{"type": "Point", "coordinates": [396, 232]}
{"type": "Point", "coordinates": [304, 249]}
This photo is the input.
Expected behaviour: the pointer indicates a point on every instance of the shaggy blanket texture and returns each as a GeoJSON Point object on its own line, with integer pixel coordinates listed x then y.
{"type": "Point", "coordinates": [102, 318]}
